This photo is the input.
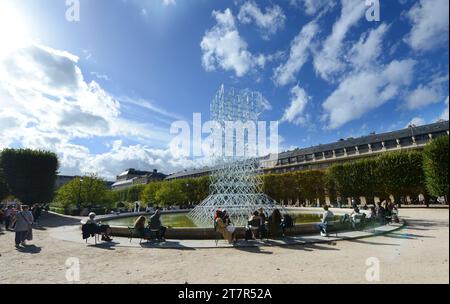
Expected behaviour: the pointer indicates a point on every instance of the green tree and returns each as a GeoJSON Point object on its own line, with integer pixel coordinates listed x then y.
{"type": "Point", "coordinates": [170, 193]}
{"type": "Point", "coordinates": [401, 174]}
{"type": "Point", "coordinates": [149, 193]}
{"type": "Point", "coordinates": [435, 165]}
{"type": "Point", "coordinates": [4, 192]}
{"type": "Point", "coordinates": [30, 174]}
{"type": "Point", "coordinates": [356, 178]}
{"type": "Point", "coordinates": [84, 192]}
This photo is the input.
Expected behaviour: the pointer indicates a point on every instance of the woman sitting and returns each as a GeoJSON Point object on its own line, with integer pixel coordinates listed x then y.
{"type": "Point", "coordinates": [227, 231]}
{"type": "Point", "coordinates": [275, 220]}
{"type": "Point", "coordinates": [253, 225]}
{"type": "Point", "coordinates": [104, 230]}
{"type": "Point", "coordinates": [139, 225]}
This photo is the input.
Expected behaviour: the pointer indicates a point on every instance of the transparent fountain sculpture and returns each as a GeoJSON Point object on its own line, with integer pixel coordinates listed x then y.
{"type": "Point", "coordinates": [236, 183]}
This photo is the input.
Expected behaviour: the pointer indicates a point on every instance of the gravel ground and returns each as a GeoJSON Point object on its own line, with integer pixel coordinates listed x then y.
{"type": "Point", "coordinates": [418, 253]}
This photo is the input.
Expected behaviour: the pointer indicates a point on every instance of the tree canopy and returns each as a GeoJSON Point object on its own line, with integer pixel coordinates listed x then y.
{"type": "Point", "coordinates": [29, 174]}
{"type": "Point", "coordinates": [435, 165]}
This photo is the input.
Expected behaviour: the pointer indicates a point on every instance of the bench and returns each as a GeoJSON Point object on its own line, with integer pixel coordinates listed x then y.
{"type": "Point", "coordinates": [134, 233]}
{"type": "Point", "coordinates": [331, 224]}
{"type": "Point", "coordinates": [359, 221]}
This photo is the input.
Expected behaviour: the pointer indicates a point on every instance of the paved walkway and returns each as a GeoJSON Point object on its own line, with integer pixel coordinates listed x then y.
{"type": "Point", "coordinates": [417, 253]}
{"type": "Point", "coordinates": [73, 234]}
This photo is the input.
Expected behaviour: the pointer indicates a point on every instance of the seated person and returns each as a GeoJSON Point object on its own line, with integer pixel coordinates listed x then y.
{"type": "Point", "coordinates": [355, 217]}
{"type": "Point", "coordinates": [327, 217]}
{"type": "Point", "coordinates": [221, 227]}
{"type": "Point", "coordinates": [395, 217]}
{"type": "Point", "coordinates": [104, 230]}
{"type": "Point", "coordinates": [275, 220]}
{"type": "Point", "coordinates": [286, 222]}
{"type": "Point", "coordinates": [156, 224]}
{"type": "Point", "coordinates": [139, 225]}
{"type": "Point", "coordinates": [253, 224]}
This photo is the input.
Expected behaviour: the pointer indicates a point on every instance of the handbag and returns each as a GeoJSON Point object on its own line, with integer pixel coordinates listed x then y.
{"type": "Point", "coordinates": [231, 228]}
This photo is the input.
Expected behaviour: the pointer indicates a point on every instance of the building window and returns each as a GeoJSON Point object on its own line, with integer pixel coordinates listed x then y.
{"type": "Point", "coordinates": [390, 144]}
{"type": "Point", "coordinates": [377, 146]}
{"type": "Point", "coordinates": [351, 150]}
{"type": "Point", "coordinates": [339, 152]}
{"type": "Point", "coordinates": [328, 154]}
{"type": "Point", "coordinates": [406, 141]}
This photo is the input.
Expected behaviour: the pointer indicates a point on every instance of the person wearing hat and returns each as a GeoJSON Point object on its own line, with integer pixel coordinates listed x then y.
{"type": "Point", "coordinates": [104, 230]}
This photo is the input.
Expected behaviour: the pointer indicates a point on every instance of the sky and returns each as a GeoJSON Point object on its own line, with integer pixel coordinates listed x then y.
{"type": "Point", "coordinates": [101, 85]}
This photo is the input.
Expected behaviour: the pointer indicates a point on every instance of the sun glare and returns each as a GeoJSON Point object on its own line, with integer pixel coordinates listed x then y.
{"type": "Point", "coordinates": [13, 29]}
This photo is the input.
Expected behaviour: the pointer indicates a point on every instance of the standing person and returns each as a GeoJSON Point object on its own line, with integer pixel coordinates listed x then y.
{"type": "Point", "coordinates": [155, 223]}
{"type": "Point", "coordinates": [2, 217]}
{"type": "Point", "coordinates": [37, 211]}
{"type": "Point", "coordinates": [9, 215]}
{"type": "Point", "coordinates": [381, 213]}
{"type": "Point", "coordinates": [262, 223]}
{"type": "Point", "coordinates": [23, 225]}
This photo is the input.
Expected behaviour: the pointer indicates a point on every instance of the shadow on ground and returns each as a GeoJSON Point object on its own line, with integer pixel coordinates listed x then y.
{"type": "Point", "coordinates": [49, 220]}
{"type": "Point", "coordinates": [32, 249]}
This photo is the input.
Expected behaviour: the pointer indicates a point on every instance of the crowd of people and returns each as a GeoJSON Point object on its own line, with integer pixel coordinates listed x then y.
{"type": "Point", "coordinates": [259, 225]}
{"type": "Point", "coordinates": [21, 219]}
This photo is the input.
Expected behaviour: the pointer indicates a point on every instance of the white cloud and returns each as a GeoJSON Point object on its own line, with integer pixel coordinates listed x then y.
{"type": "Point", "coordinates": [366, 51]}
{"type": "Point", "coordinates": [327, 60]}
{"type": "Point", "coordinates": [430, 24]}
{"type": "Point", "coordinates": [444, 114]}
{"type": "Point", "coordinates": [298, 56]}
{"type": "Point", "coordinates": [364, 91]}
{"type": "Point", "coordinates": [416, 121]}
{"type": "Point", "coordinates": [223, 47]}
{"type": "Point", "coordinates": [100, 76]}
{"type": "Point", "coordinates": [169, 2]}
{"type": "Point", "coordinates": [299, 100]}
{"type": "Point", "coordinates": [45, 103]}
{"type": "Point", "coordinates": [311, 7]}
{"type": "Point", "coordinates": [269, 21]}
{"type": "Point", "coordinates": [425, 95]}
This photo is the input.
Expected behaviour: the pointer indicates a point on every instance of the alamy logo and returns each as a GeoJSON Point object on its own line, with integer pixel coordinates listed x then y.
{"type": "Point", "coordinates": [226, 139]}
{"type": "Point", "coordinates": [73, 270]}
{"type": "Point", "coordinates": [373, 270]}
{"type": "Point", "coordinates": [73, 10]}
{"type": "Point", "coordinates": [373, 12]}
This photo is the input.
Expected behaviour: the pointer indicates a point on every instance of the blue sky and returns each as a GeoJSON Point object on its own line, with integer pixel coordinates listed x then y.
{"type": "Point", "coordinates": [103, 91]}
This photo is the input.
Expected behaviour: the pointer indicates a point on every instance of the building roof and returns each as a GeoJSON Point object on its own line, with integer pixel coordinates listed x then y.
{"type": "Point", "coordinates": [441, 126]}
{"type": "Point", "coordinates": [369, 139]}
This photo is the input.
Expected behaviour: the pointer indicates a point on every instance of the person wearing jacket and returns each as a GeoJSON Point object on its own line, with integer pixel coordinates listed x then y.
{"type": "Point", "coordinates": [23, 225]}
{"type": "Point", "coordinates": [156, 224]}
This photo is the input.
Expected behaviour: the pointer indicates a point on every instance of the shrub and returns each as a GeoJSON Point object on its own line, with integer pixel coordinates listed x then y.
{"type": "Point", "coordinates": [435, 165]}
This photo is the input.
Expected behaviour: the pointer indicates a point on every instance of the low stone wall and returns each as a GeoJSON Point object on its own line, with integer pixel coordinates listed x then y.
{"type": "Point", "coordinates": [209, 233]}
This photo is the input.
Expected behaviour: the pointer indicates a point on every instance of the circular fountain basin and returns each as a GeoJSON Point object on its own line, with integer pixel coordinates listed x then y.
{"type": "Point", "coordinates": [181, 226]}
